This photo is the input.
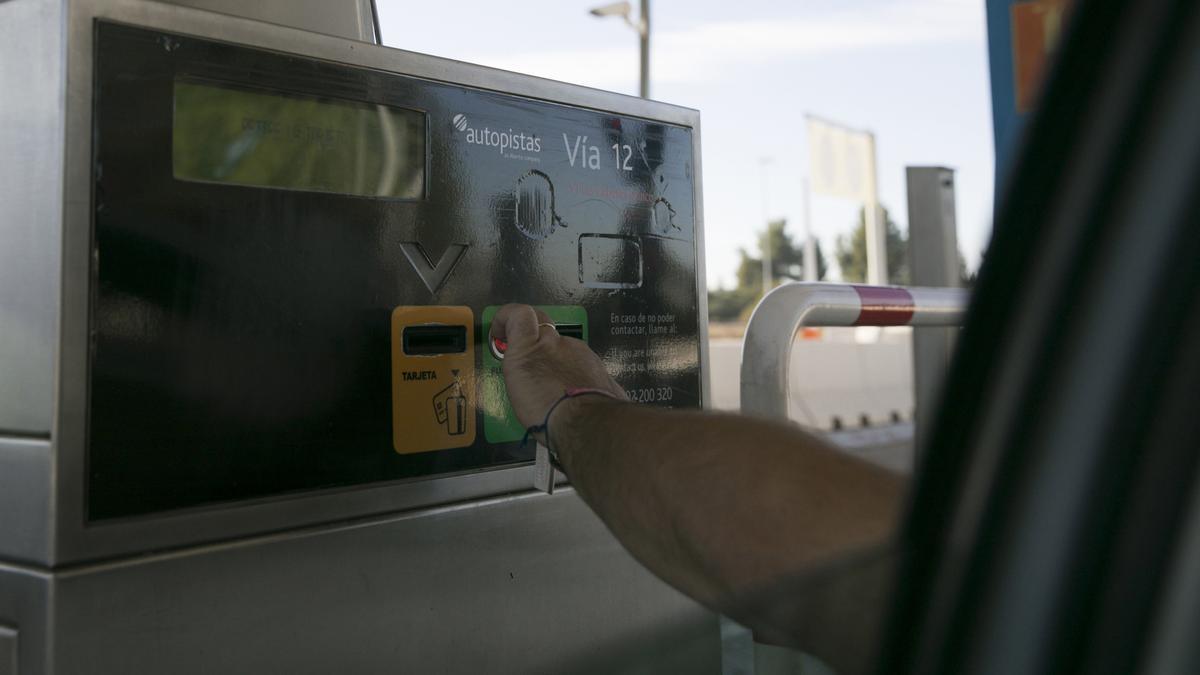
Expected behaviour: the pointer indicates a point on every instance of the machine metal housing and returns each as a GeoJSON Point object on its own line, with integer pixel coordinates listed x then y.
{"type": "Point", "coordinates": [472, 571]}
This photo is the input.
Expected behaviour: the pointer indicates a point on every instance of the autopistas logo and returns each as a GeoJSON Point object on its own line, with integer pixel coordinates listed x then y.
{"type": "Point", "coordinates": [503, 140]}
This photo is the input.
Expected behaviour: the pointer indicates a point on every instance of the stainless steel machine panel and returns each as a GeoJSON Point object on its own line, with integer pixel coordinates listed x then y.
{"type": "Point", "coordinates": [528, 584]}
{"type": "Point", "coordinates": [620, 238]}
{"type": "Point", "coordinates": [497, 587]}
{"type": "Point", "coordinates": [344, 18]}
{"type": "Point", "coordinates": [204, 462]}
{"type": "Point", "coordinates": [31, 198]}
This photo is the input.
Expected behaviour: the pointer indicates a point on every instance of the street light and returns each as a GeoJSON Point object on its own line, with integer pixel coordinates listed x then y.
{"type": "Point", "coordinates": [641, 27]}
{"type": "Point", "coordinates": [614, 9]}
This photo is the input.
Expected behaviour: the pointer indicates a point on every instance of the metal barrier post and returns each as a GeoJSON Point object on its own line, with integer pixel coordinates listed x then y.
{"type": "Point", "coordinates": [767, 349]}
{"type": "Point", "coordinates": [767, 356]}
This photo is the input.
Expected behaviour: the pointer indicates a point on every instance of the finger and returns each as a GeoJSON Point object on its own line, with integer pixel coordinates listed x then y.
{"type": "Point", "coordinates": [546, 330]}
{"type": "Point", "coordinates": [516, 317]}
{"type": "Point", "coordinates": [516, 325]}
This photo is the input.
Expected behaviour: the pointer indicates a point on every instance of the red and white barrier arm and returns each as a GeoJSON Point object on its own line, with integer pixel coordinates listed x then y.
{"type": "Point", "coordinates": [771, 333]}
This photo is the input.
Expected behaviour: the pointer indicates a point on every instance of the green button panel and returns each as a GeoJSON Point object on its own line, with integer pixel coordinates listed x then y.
{"type": "Point", "coordinates": [500, 424]}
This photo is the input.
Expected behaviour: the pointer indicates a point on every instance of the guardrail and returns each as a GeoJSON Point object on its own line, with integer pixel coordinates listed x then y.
{"type": "Point", "coordinates": [771, 333]}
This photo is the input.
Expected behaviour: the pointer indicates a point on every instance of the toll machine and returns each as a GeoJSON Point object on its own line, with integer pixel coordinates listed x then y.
{"type": "Point", "coordinates": [249, 419]}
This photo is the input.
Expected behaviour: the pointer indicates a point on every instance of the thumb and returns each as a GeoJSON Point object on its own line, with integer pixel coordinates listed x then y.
{"type": "Point", "coordinates": [517, 325]}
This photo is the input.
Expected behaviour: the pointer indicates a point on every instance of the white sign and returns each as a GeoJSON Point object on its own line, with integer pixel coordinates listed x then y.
{"type": "Point", "coordinates": [841, 161]}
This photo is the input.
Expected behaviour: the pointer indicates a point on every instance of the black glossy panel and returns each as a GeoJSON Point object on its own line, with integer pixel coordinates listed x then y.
{"type": "Point", "coordinates": [241, 344]}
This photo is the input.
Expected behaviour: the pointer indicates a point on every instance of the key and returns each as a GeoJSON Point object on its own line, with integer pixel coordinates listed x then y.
{"type": "Point", "coordinates": [543, 470]}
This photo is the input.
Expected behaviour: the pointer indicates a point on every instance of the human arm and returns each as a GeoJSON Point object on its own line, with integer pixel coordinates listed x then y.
{"type": "Point", "coordinates": [719, 506]}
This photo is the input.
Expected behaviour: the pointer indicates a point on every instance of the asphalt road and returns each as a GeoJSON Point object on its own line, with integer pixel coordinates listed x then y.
{"type": "Point", "coordinates": [852, 383]}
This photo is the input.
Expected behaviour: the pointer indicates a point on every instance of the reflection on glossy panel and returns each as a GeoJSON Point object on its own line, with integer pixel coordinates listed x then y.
{"type": "Point", "coordinates": [223, 134]}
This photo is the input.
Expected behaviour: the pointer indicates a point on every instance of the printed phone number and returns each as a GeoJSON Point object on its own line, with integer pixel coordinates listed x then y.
{"type": "Point", "coordinates": [650, 394]}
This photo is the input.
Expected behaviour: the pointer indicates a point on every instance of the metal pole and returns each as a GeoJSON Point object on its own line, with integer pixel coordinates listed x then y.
{"type": "Point", "coordinates": [770, 334]}
{"type": "Point", "coordinates": [811, 273]}
{"type": "Point", "coordinates": [933, 261]}
{"type": "Point", "coordinates": [767, 364]}
{"type": "Point", "coordinates": [644, 34]}
{"type": "Point", "coordinates": [768, 280]}
{"type": "Point", "coordinates": [873, 220]}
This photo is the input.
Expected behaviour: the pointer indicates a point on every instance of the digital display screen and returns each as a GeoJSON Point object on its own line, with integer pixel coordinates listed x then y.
{"type": "Point", "coordinates": [238, 136]}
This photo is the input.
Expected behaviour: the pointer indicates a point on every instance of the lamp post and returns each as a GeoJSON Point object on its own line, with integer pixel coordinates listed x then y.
{"type": "Point", "coordinates": [641, 27]}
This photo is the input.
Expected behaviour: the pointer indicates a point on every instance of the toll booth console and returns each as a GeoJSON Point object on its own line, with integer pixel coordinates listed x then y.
{"type": "Point", "coordinates": [247, 283]}
{"type": "Point", "coordinates": [297, 262]}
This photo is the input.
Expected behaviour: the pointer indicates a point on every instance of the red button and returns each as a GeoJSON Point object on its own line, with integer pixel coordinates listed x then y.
{"type": "Point", "coordinates": [498, 348]}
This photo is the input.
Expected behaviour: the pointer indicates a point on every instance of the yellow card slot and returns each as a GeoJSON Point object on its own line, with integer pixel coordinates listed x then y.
{"type": "Point", "coordinates": [433, 378]}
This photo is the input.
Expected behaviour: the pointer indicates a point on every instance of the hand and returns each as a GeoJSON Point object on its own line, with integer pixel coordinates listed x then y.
{"type": "Point", "coordinates": [540, 365]}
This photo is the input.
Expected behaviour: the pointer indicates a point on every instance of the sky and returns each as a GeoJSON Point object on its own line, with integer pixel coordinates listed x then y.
{"type": "Point", "coordinates": [914, 72]}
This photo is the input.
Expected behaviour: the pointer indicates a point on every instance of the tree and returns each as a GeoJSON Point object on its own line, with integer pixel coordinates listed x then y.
{"type": "Point", "coordinates": [787, 258]}
{"type": "Point", "coordinates": [730, 304]}
{"type": "Point", "coordinates": [851, 252]}
{"type": "Point", "coordinates": [787, 262]}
